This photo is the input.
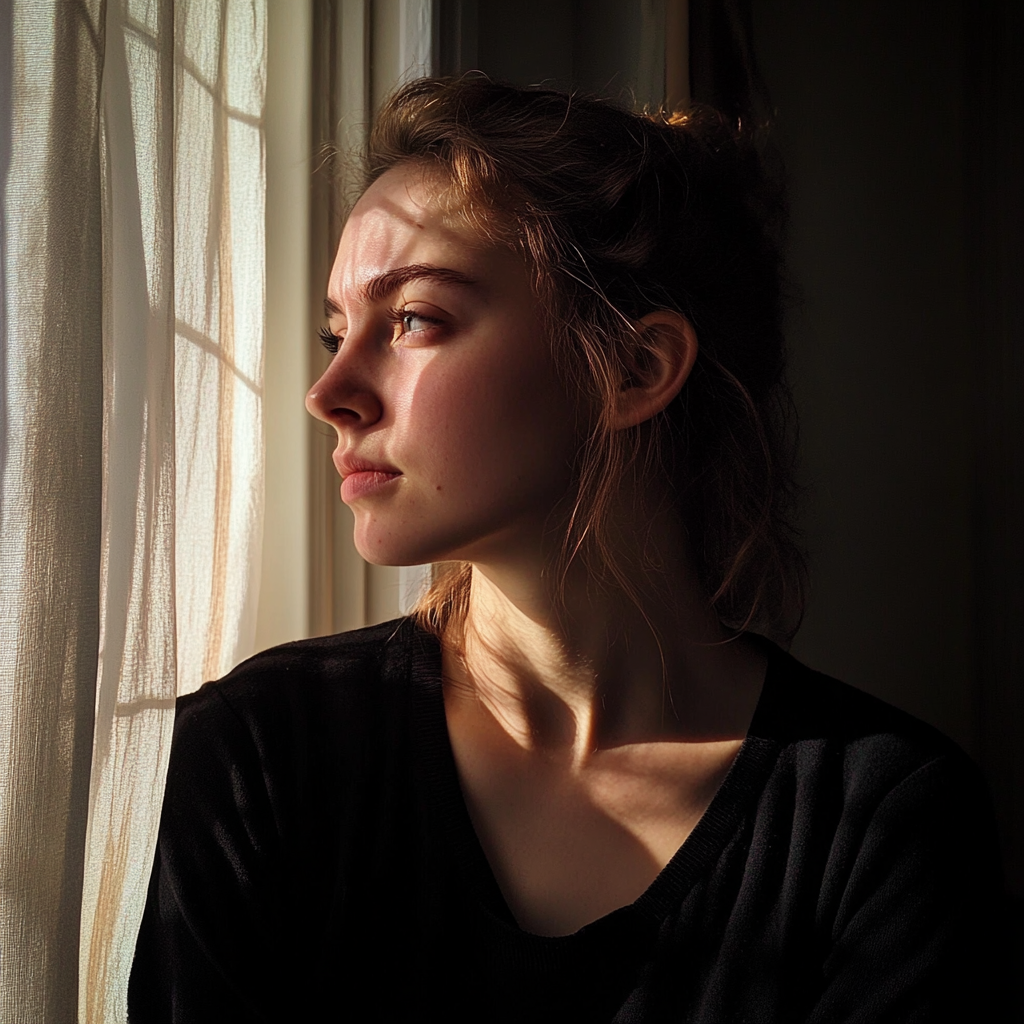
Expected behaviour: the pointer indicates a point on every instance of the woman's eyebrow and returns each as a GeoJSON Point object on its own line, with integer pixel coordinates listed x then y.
{"type": "Point", "coordinates": [378, 288]}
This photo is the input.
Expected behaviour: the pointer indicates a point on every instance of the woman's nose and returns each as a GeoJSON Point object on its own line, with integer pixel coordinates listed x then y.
{"type": "Point", "coordinates": [343, 397]}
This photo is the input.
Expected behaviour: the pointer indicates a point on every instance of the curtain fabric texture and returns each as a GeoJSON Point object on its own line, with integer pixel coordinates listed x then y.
{"type": "Point", "coordinates": [131, 339]}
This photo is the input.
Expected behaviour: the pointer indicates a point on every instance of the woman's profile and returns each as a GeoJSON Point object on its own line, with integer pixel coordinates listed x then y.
{"type": "Point", "coordinates": [581, 782]}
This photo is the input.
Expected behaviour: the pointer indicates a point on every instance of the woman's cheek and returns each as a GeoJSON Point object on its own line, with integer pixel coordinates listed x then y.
{"type": "Point", "coordinates": [481, 419]}
{"type": "Point", "coordinates": [459, 412]}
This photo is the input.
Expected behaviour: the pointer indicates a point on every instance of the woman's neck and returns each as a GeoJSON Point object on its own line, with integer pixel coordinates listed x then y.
{"type": "Point", "coordinates": [593, 669]}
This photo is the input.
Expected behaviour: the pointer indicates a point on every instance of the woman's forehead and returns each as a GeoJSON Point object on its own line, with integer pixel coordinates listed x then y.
{"type": "Point", "coordinates": [419, 193]}
{"type": "Point", "coordinates": [404, 218]}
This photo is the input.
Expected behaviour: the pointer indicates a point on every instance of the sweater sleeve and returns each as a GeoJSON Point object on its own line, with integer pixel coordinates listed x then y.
{"type": "Point", "coordinates": [915, 939]}
{"type": "Point", "coordinates": [213, 944]}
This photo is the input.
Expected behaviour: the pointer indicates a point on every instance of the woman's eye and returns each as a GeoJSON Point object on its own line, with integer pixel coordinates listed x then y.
{"type": "Point", "coordinates": [409, 322]}
{"type": "Point", "coordinates": [405, 321]}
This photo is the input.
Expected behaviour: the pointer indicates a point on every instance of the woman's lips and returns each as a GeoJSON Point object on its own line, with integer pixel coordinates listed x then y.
{"type": "Point", "coordinates": [363, 483]}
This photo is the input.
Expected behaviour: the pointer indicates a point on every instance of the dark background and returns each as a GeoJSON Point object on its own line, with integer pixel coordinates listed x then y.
{"type": "Point", "coordinates": [901, 126]}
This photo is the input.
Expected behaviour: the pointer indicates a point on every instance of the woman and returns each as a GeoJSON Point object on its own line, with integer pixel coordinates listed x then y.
{"type": "Point", "coordinates": [575, 785]}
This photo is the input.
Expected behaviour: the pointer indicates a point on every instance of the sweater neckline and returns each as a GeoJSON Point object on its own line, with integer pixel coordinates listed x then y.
{"type": "Point", "coordinates": [734, 801]}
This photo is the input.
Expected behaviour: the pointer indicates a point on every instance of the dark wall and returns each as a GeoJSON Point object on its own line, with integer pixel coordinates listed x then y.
{"type": "Point", "coordinates": [871, 122]}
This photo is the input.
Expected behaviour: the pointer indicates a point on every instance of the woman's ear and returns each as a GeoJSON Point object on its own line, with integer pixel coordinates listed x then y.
{"type": "Point", "coordinates": [668, 349]}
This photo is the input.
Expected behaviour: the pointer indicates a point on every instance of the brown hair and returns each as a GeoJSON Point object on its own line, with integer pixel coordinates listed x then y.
{"type": "Point", "coordinates": [619, 214]}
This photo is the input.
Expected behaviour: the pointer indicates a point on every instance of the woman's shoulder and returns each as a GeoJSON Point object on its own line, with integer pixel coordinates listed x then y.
{"type": "Point", "coordinates": [297, 727]}
{"type": "Point", "coordinates": [824, 728]}
{"type": "Point", "coordinates": [324, 668]}
{"type": "Point", "coordinates": [318, 697]}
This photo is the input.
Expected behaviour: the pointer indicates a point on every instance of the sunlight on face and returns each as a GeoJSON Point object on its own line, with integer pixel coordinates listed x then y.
{"type": "Point", "coordinates": [455, 435]}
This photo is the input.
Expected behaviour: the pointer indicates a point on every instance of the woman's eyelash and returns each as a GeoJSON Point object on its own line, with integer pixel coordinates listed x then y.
{"type": "Point", "coordinates": [328, 339]}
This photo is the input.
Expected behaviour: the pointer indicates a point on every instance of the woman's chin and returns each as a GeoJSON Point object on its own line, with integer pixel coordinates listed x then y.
{"type": "Point", "coordinates": [383, 555]}
{"type": "Point", "coordinates": [380, 549]}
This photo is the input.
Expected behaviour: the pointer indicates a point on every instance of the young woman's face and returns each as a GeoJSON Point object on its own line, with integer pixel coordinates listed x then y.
{"type": "Point", "coordinates": [455, 435]}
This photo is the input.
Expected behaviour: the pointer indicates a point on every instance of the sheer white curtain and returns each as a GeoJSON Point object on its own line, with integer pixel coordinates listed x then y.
{"type": "Point", "coordinates": [131, 312]}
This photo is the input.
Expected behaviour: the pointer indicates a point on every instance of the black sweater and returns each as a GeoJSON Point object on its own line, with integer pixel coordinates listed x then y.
{"type": "Point", "coordinates": [316, 862]}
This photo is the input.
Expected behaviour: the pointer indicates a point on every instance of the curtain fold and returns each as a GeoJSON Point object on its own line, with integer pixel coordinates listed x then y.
{"type": "Point", "coordinates": [50, 485]}
{"type": "Point", "coordinates": [136, 678]}
{"type": "Point", "coordinates": [130, 451]}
